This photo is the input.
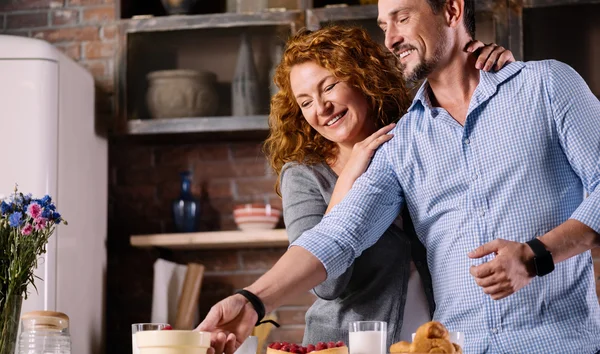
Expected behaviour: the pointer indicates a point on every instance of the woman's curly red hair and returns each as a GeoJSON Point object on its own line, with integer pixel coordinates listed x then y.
{"type": "Point", "coordinates": [349, 54]}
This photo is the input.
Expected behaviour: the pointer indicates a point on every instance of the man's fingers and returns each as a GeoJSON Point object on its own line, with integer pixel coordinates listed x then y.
{"type": "Point", "coordinates": [501, 295]}
{"type": "Point", "coordinates": [484, 250]}
{"type": "Point", "coordinates": [494, 289]}
{"type": "Point", "coordinates": [482, 270]}
{"type": "Point", "coordinates": [488, 281]}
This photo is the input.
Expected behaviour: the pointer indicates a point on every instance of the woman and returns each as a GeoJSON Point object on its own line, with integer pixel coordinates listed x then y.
{"type": "Point", "coordinates": [340, 93]}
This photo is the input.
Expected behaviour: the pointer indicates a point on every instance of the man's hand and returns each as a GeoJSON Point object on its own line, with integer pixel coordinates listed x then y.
{"type": "Point", "coordinates": [230, 322]}
{"type": "Point", "coordinates": [508, 272]}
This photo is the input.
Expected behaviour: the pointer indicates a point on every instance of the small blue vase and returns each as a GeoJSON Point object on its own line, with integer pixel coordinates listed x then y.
{"type": "Point", "coordinates": [186, 209]}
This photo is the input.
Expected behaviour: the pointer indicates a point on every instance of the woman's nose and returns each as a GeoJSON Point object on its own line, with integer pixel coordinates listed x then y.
{"type": "Point", "coordinates": [323, 107]}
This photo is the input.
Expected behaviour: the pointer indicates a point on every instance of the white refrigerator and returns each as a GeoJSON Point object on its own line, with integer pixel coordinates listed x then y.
{"type": "Point", "coordinates": [49, 145]}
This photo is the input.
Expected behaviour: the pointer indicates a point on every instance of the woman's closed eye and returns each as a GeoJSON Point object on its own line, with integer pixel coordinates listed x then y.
{"type": "Point", "coordinates": [330, 87]}
{"type": "Point", "coordinates": [305, 104]}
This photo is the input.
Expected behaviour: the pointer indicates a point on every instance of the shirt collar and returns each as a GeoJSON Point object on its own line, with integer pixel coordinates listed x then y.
{"type": "Point", "coordinates": [488, 84]}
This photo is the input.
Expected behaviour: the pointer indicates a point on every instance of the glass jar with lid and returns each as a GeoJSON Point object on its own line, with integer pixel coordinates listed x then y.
{"type": "Point", "coordinates": [44, 332]}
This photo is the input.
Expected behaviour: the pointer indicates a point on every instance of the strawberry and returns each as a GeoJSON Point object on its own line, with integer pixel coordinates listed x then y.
{"type": "Point", "coordinates": [340, 344]}
{"type": "Point", "coordinates": [167, 328]}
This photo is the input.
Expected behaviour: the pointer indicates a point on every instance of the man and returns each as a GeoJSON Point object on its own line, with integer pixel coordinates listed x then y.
{"type": "Point", "coordinates": [493, 169]}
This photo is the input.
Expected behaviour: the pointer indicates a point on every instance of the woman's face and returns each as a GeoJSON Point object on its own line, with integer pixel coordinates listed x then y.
{"type": "Point", "coordinates": [332, 107]}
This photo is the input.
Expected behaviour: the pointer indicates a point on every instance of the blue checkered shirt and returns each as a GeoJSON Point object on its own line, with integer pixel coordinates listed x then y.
{"type": "Point", "coordinates": [520, 166]}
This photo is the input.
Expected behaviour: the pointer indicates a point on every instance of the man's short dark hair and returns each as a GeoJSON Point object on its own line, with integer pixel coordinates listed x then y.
{"type": "Point", "coordinates": [468, 16]}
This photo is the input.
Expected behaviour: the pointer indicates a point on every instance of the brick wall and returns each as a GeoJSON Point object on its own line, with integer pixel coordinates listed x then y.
{"type": "Point", "coordinates": [143, 181]}
{"type": "Point", "coordinates": [83, 29]}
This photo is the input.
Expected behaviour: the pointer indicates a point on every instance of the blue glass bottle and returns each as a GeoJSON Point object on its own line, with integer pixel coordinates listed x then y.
{"type": "Point", "coordinates": [186, 209]}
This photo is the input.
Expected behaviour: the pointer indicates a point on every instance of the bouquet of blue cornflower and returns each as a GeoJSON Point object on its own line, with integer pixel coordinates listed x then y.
{"type": "Point", "coordinates": [26, 224]}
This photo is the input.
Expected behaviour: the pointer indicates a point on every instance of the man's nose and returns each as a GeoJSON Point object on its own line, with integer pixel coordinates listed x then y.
{"type": "Point", "coordinates": [393, 37]}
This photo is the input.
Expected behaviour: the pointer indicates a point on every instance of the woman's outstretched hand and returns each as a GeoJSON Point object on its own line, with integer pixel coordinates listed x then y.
{"type": "Point", "coordinates": [230, 322]}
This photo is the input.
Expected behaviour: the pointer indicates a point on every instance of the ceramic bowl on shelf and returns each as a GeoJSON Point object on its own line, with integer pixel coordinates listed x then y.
{"type": "Point", "coordinates": [256, 216]}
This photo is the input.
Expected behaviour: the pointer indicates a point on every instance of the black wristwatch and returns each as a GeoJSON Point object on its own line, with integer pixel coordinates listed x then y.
{"type": "Point", "coordinates": [542, 258]}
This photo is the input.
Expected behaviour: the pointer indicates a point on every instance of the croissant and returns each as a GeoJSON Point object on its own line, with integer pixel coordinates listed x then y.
{"type": "Point", "coordinates": [431, 337]}
{"type": "Point", "coordinates": [432, 345]}
{"type": "Point", "coordinates": [400, 347]}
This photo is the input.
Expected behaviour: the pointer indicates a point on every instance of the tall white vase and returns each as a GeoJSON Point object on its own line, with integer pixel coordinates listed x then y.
{"type": "Point", "coordinates": [276, 55]}
{"type": "Point", "coordinates": [245, 94]}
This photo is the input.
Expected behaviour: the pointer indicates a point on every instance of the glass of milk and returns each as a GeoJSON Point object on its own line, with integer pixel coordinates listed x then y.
{"type": "Point", "coordinates": [368, 337]}
{"type": "Point", "coordinates": [138, 327]}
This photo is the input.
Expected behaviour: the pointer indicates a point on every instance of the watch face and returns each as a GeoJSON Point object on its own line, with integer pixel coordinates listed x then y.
{"type": "Point", "coordinates": [544, 264]}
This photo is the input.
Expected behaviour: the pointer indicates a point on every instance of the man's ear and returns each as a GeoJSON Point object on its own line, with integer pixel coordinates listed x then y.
{"type": "Point", "coordinates": [453, 12]}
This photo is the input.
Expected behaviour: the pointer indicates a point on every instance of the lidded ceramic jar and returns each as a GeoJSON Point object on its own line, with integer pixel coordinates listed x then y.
{"type": "Point", "coordinates": [182, 93]}
{"type": "Point", "coordinates": [172, 342]}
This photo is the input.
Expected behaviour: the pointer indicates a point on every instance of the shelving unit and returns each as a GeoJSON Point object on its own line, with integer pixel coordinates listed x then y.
{"type": "Point", "coordinates": [200, 42]}
{"type": "Point", "coordinates": [292, 18]}
{"type": "Point", "coordinates": [213, 240]}
{"type": "Point", "coordinates": [197, 125]}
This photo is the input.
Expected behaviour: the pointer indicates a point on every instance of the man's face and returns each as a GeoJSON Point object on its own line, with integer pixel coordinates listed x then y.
{"type": "Point", "coordinates": [414, 34]}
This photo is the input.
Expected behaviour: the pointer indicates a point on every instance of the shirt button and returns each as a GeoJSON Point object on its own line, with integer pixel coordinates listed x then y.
{"type": "Point", "coordinates": [494, 330]}
{"type": "Point", "coordinates": [474, 176]}
{"type": "Point", "coordinates": [482, 213]}
{"type": "Point", "coordinates": [467, 141]}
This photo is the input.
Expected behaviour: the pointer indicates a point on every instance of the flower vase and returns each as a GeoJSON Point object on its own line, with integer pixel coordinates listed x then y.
{"type": "Point", "coordinates": [245, 94]}
{"type": "Point", "coordinates": [186, 209]}
{"type": "Point", "coordinates": [10, 310]}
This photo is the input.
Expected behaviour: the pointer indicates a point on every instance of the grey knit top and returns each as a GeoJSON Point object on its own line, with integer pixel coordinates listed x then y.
{"type": "Point", "coordinates": [374, 287]}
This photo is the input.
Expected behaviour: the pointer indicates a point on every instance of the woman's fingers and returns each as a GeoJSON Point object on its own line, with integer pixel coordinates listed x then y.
{"type": "Point", "coordinates": [493, 58]}
{"type": "Point", "coordinates": [380, 140]}
{"type": "Point", "coordinates": [381, 132]}
{"type": "Point", "coordinates": [230, 344]}
{"type": "Point", "coordinates": [474, 46]}
{"type": "Point", "coordinates": [484, 55]}
{"type": "Point", "coordinates": [218, 342]}
{"type": "Point", "coordinates": [505, 57]}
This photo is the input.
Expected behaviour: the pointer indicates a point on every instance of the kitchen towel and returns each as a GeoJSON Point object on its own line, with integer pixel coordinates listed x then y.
{"type": "Point", "coordinates": [168, 282]}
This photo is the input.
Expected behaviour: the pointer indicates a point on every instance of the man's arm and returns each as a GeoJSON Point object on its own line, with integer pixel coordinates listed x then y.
{"type": "Point", "coordinates": [577, 119]}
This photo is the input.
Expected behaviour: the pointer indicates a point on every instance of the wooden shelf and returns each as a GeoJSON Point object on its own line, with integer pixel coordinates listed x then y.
{"type": "Point", "coordinates": [197, 125]}
{"type": "Point", "coordinates": [214, 240]}
{"type": "Point", "coordinates": [293, 18]}
{"type": "Point", "coordinates": [546, 3]}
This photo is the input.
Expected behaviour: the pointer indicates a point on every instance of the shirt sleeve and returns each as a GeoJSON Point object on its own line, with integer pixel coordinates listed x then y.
{"type": "Point", "coordinates": [577, 117]}
{"type": "Point", "coordinates": [359, 220]}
